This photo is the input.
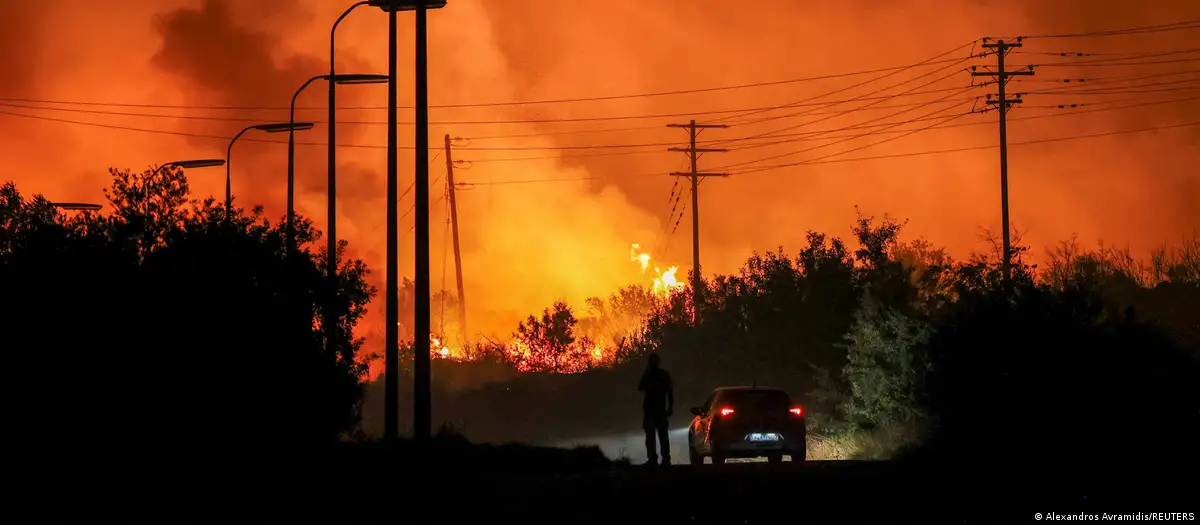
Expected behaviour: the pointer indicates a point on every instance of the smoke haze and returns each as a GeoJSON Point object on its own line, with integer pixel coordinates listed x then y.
{"type": "Point", "coordinates": [527, 244]}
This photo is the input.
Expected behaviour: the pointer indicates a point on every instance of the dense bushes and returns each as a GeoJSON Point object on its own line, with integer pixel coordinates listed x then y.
{"type": "Point", "coordinates": [180, 339]}
{"type": "Point", "coordinates": [895, 346]}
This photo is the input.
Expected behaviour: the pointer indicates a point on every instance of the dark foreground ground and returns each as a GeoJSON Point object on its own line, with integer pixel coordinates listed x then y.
{"type": "Point", "coordinates": [461, 483]}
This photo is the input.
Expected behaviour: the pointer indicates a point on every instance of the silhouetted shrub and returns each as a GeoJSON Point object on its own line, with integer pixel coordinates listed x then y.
{"type": "Point", "coordinates": [179, 340]}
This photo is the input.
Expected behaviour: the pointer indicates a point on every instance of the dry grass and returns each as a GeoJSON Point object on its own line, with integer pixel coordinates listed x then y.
{"type": "Point", "coordinates": [877, 444]}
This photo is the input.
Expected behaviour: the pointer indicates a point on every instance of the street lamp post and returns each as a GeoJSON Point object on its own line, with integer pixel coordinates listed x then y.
{"type": "Point", "coordinates": [269, 128]}
{"type": "Point", "coordinates": [422, 415]}
{"type": "Point", "coordinates": [291, 175]}
{"type": "Point", "coordinates": [331, 227]}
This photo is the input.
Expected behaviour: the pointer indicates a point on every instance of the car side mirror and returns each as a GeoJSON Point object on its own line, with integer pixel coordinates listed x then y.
{"type": "Point", "coordinates": [697, 411]}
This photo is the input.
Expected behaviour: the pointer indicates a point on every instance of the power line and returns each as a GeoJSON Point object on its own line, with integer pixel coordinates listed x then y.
{"type": "Point", "coordinates": [317, 144]}
{"type": "Point", "coordinates": [1074, 54]}
{"type": "Point", "coordinates": [970, 148]}
{"type": "Point", "coordinates": [846, 139]}
{"type": "Point", "coordinates": [774, 133]}
{"type": "Point", "coordinates": [873, 144]}
{"type": "Point", "coordinates": [402, 195]}
{"type": "Point", "coordinates": [657, 127]}
{"type": "Point", "coordinates": [818, 134]}
{"type": "Point", "coordinates": [929, 61]}
{"type": "Point", "coordinates": [1083, 89]}
{"type": "Point", "coordinates": [1086, 82]}
{"type": "Point", "coordinates": [559, 179]}
{"type": "Point", "coordinates": [1113, 92]}
{"type": "Point", "coordinates": [372, 146]}
{"type": "Point", "coordinates": [679, 219]}
{"type": "Point", "coordinates": [910, 91]}
{"type": "Point", "coordinates": [1176, 26]}
{"type": "Point", "coordinates": [384, 122]}
{"type": "Point", "coordinates": [1136, 56]}
{"type": "Point", "coordinates": [764, 169]}
{"type": "Point", "coordinates": [1117, 64]}
{"type": "Point", "coordinates": [912, 106]}
{"type": "Point", "coordinates": [492, 104]}
{"type": "Point", "coordinates": [664, 236]}
{"type": "Point", "coordinates": [431, 205]}
{"type": "Point", "coordinates": [347, 145]}
{"type": "Point", "coordinates": [867, 123]}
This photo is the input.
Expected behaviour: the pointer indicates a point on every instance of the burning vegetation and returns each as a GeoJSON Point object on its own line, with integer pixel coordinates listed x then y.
{"type": "Point", "coordinates": [559, 341]}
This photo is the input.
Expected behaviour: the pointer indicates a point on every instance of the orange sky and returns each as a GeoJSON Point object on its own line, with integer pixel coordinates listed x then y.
{"type": "Point", "coordinates": [528, 244]}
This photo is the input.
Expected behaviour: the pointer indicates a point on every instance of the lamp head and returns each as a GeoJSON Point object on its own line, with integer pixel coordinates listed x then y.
{"type": "Point", "coordinates": [76, 206]}
{"type": "Point", "coordinates": [358, 79]}
{"type": "Point", "coordinates": [405, 5]}
{"type": "Point", "coordinates": [284, 126]}
{"type": "Point", "coordinates": [197, 163]}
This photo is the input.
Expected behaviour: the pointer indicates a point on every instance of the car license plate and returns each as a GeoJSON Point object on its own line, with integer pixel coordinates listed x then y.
{"type": "Point", "coordinates": [761, 437]}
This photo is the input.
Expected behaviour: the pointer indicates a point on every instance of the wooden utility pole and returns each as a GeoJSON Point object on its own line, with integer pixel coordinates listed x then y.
{"type": "Point", "coordinates": [458, 271]}
{"type": "Point", "coordinates": [693, 153]}
{"type": "Point", "coordinates": [1000, 48]}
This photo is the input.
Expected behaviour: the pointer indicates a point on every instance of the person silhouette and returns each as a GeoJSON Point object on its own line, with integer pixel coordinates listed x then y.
{"type": "Point", "coordinates": [658, 403]}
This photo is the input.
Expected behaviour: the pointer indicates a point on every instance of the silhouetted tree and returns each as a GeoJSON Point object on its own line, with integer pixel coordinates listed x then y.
{"type": "Point", "coordinates": [619, 317]}
{"type": "Point", "coordinates": [181, 340]}
{"type": "Point", "coordinates": [549, 343]}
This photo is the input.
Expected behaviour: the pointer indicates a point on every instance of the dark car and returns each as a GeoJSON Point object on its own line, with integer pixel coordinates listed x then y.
{"type": "Point", "coordinates": [747, 422]}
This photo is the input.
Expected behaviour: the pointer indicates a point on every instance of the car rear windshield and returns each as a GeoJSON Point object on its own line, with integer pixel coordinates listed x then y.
{"type": "Point", "coordinates": [759, 399]}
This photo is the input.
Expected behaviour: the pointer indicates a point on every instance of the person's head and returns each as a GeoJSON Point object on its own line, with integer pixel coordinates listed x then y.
{"type": "Point", "coordinates": [654, 360]}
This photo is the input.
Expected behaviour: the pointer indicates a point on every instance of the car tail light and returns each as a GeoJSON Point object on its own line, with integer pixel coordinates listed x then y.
{"type": "Point", "coordinates": [726, 412]}
{"type": "Point", "coordinates": [796, 411]}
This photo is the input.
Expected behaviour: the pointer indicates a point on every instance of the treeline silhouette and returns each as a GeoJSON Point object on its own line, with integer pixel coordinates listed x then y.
{"type": "Point", "coordinates": [898, 351]}
{"type": "Point", "coordinates": [170, 336]}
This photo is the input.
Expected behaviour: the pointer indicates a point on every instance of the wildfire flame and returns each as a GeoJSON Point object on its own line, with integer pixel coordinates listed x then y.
{"type": "Point", "coordinates": [664, 280]}
{"type": "Point", "coordinates": [527, 361]}
{"type": "Point", "coordinates": [438, 350]}
{"type": "Point", "coordinates": [585, 353]}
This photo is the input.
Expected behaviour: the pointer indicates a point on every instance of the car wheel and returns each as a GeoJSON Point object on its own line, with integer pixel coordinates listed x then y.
{"type": "Point", "coordinates": [775, 459]}
{"type": "Point", "coordinates": [800, 456]}
{"type": "Point", "coordinates": [718, 458]}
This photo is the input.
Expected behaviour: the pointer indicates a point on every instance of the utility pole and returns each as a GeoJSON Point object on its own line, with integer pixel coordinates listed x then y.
{"type": "Point", "coordinates": [1001, 76]}
{"type": "Point", "coordinates": [693, 154]}
{"type": "Point", "coordinates": [450, 189]}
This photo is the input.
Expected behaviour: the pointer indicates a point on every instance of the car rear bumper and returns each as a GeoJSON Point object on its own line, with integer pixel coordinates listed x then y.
{"type": "Point", "coordinates": [742, 448]}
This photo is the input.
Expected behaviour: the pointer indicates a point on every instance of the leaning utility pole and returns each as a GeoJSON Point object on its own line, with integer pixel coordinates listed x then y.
{"type": "Point", "coordinates": [693, 153]}
{"type": "Point", "coordinates": [450, 190]}
{"type": "Point", "coordinates": [1001, 48]}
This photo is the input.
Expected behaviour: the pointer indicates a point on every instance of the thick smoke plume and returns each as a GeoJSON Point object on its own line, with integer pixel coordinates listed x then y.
{"type": "Point", "coordinates": [527, 244]}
